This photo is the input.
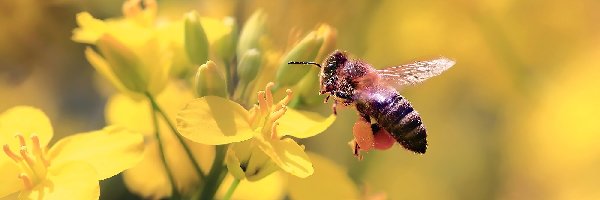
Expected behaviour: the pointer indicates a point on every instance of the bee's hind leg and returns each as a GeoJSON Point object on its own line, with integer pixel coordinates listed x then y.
{"type": "Point", "coordinates": [334, 106]}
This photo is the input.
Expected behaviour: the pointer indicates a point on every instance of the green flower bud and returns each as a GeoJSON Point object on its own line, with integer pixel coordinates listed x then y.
{"type": "Point", "coordinates": [329, 39]}
{"type": "Point", "coordinates": [196, 42]}
{"type": "Point", "coordinates": [209, 81]}
{"type": "Point", "coordinates": [251, 33]}
{"type": "Point", "coordinates": [249, 66]}
{"type": "Point", "coordinates": [306, 50]}
{"type": "Point", "coordinates": [308, 88]}
{"type": "Point", "coordinates": [225, 46]}
{"type": "Point", "coordinates": [125, 64]}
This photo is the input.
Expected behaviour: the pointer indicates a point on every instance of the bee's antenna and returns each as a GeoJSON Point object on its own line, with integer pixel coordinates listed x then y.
{"type": "Point", "coordinates": [304, 63]}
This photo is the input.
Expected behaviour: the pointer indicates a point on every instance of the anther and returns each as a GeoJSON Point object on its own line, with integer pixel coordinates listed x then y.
{"type": "Point", "coordinates": [21, 139]}
{"type": "Point", "coordinates": [37, 149]}
{"type": "Point", "coordinates": [11, 154]}
{"type": "Point", "coordinates": [285, 100]}
{"type": "Point", "coordinates": [26, 181]}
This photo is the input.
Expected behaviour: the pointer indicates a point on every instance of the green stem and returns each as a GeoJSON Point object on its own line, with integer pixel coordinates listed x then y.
{"type": "Point", "coordinates": [187, 149]}
{"type": "Point", "coordinates": [231, 189]}
{"type": "Point", "coordinates": [216, 174]}
{"type": "Point", "coordinates": [162, 155]}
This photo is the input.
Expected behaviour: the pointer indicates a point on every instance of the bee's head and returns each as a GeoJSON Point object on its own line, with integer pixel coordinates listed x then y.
{"type": "Point", "coordinates": [328, 76]}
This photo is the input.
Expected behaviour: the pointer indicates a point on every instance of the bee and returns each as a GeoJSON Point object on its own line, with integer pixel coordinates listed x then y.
{"type": "Point", "coordinates": [385, 116]}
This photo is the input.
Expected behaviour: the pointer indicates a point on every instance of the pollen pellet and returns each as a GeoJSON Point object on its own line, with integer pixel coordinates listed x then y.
{"type": "Point", "coordinates": [363, 135]}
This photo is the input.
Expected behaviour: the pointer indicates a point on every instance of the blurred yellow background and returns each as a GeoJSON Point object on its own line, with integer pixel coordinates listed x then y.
{"type": "Point", "coordinates": [514, 119]}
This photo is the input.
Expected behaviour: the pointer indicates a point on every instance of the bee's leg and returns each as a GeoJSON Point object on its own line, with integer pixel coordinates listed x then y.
{"type": "Point", "coordinates": [355, 149]}
{"type": "Point", "coordinates": [327, 99]}
{"type": "Point", "coordinates": [333, 107]}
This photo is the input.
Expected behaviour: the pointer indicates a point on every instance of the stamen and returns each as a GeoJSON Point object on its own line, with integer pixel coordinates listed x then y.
{"type": "Point", "coordinates": [274, 134]}
{"type": "Point", "coordinates": [21, 139]}
{"type": "Point", "coordinates": [26, 157]}
{"type": "Point", "coordinates": [285, 100]}
{"type": "Point", "coordinates": [262, 103]}
{"type": "Point", "coordinates": [277, 114]}
{"type": "Point", "coordinates": [26, 181]}
{"type": "Point", "coordinates": [11, 154]}
{"type": "Point", "coordinates": [37, 150]}
{"type": "Point", "coordinates": [269, 96]}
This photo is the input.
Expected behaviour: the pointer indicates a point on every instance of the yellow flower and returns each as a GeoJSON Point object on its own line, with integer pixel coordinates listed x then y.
{"type": "Point", "coordinates": [136, 115]}
{"type": "Point", "coordinates": [71, 168]}
{"type": "Point", "coordinates": [215, 121]}
{"type": "Point", "coordinates": [134, 56]}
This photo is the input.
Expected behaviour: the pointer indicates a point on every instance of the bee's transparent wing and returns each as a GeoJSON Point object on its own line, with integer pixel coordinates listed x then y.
{"type": "Point", "coordinates": [413, 73]}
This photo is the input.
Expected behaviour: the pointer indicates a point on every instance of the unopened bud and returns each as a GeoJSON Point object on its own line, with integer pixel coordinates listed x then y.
{"type": "Point", "coordinates": [252, 32]}
{"type": "Point", "coordinates": [306, 50]}
{"type": "Point", "coordinates": [249, 65]}
{"type": "Point", "coordinates": [209, 81]}
{"type": "Point", "coordinates": [329, 36]}
{"type": "Point", "coordinates": [225, 45]}
{"type": "Point", "coordinates": [196, 42]}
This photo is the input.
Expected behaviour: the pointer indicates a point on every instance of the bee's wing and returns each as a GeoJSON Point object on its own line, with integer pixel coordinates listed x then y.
{"type": "Point", "coordinates": [413, 73]}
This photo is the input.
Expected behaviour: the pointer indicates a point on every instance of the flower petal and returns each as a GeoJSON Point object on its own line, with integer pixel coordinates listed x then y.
{"type": "Point", "coordinates": [9, 171]}
{"type": "Point", "coordinates": [110, 150]}
{"type": "Point", "coordinates": [100, 64]}
{"type": "Point", "coordinates": [330, 181]}
{"type": "Point", "coordinates": [288, 155]}
{"type": "Point", "coordinates": [27, 121]}
{"type": "Point", "coordinates": [214, 120]}
{"type": "Point", "coordinates": [270, 187]}
{"type": "Point", "coordinates": [136, 114]}
{"type": "Point", "coordinates": [90, 28]}
{"type": "Point", "coordinates": [127, 112]}
{"type": "Point", "coordinates": [136, 178]}
{"type": "Point", "coordinates": [74, 180]}
{"type": "Point", "coordinates": [302, 124]}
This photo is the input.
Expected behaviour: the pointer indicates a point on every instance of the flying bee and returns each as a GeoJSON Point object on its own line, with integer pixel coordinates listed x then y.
{"type": "Point", "coordinates": [385, 116]}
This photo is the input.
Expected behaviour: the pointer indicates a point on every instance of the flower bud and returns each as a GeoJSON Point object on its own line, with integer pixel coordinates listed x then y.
{"type": "Point", "coordinates": [225, 45]}
{"type": "Point", "coordinates": [306, 50]}
{"type": "Point", "coordinates": [249, 66]}
{"type": "Point", "coordinates": [125, 64]}
{"type": "Point", "coordinates": [308, 88]}
{"type": "Point", "coordinates": [196, 42]}
{"type": "Point", "coordinates": [252, 33]}
{"type": "Point", "coordinates": [209, 81]}
{"type": "Point", "coordinates": [329, 36]}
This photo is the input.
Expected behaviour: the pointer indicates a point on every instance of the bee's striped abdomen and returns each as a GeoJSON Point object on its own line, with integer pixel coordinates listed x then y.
{"type": "Point", "coordinates": [395, 114]}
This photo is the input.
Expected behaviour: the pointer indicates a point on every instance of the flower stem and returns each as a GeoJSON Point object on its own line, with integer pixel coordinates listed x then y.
{"type": "Point", "coordinates": [175, 191]}
{"type": "Point", "coordinates": [231, 189]}
{"type": "Point", "coordinates": [187, 149]}
{"type": "Point", "coordinates": [216, 174]}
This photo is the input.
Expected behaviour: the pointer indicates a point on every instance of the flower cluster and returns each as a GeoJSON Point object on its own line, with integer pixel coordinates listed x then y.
{"type": "Point", "coordinates": [195, 105]}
